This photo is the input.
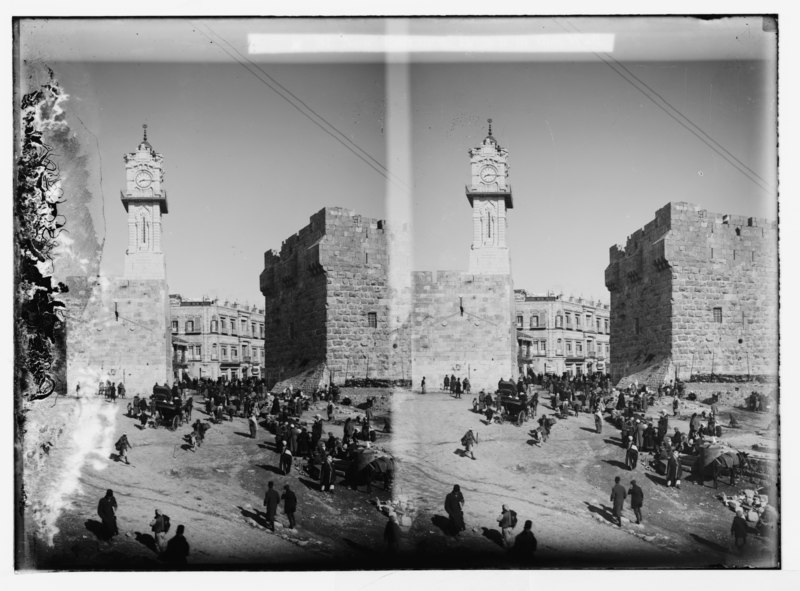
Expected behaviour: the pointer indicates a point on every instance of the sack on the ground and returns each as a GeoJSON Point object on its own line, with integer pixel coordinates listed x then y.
{"type": "Point", "coordinates": [166, 523]}
{"type": "Point", "coordinates": [513, 518]}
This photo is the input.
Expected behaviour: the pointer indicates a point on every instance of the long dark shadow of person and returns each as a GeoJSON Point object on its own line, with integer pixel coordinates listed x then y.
{"type": "Point", "coordinates": [273, 469]}
{"type": "Point", "coordinates": [146, 540]}
{"type": "Point", "coordinates": [311, 484]}
{"type": "Point", "coordinates": [602, 511]}
{"type": "Point", "coordinates": [709, 543]}
{"type": "Point", "coordinates": [96, 528]}
{"type": "Point", "coordinates": [612, 441]}
{"type": "Point", "coordinates": [493, 535]}
{"type": "Point", "coordinates": [242, 434]}
{"type": "Point", "coordinates": [254, 515]}
{"type": "Point", "coordinates": [616, 464]}
{"type": "Point", "coordinates": [444, 524]}
{"type": "Point", "coordinates": [588, 429]}
{"type": "Point", "coordinates": [660, 480]}
{"type": "Point", "coordinates": [460, 452]}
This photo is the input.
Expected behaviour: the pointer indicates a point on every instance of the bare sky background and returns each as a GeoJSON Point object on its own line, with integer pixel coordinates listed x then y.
{"type": "Point", "coordinates": [681, 110]}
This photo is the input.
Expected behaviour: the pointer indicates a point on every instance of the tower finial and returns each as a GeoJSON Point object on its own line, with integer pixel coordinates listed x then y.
{"type": "Point", "coordinates": [490, 125]}
{"type": "Point", "coordinates": [144, 127]}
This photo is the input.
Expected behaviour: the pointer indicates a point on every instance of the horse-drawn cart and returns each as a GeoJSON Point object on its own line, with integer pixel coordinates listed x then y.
{"type": "Point", "coordinates": [514, 406]}
{"type": "Point", "coordinates": [167, 411]}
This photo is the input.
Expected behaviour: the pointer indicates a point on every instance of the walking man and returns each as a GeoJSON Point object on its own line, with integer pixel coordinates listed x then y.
{"type": "Point", "coordinates": [123, 445]}
{"type": "Point", "coordinates": [637, 499]}
{"type": "Point", "coordinates": [286, 459]}
{"type": "Point", "coordinates": [618, 498]}
{"type": "Point", "coordinates": [507, 521]}
{"type": "Point", "coordinates": [253, 421]}
{"type": "Point", "coordinates": [598, 421]}
{"type": "Point", "coordinates": [469, 441]}
{"type": "Point", "coordinates": [454, 505]}
{"type": "Point", "coordinates": [107, 510]}
{"type": "Point", "coordinates": [289, 504]}
{"type": "Point", "coordinates": [271, 501]}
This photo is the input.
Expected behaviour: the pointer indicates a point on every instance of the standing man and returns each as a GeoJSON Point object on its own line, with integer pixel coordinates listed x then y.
{"type": "Point", "coordinates": [618, 498]}
{"type": "Point", "coordinates": [525, 544]}
{"type": "Point", "coordinates": [271, 501]}
{"type": "Point", "coordinates": [289, 504]}
{"type": "Point", "coordinates": [286, 459]}
{"type": "Point", "coordinates": [454, 505]}
{"type": "Point", "coordinates": [598, 421]}
{"type": "Point", "coordinates": [422, 388]}
{"type": "Point", "coordinates": [253, 422]}
{"type": "Point", "coordinates": [326, 474]}
{"type": "Point", "coordinates": [507, 521]}
{"type": "Point", "coordinates": [391, 535]}
{"type": "Point", "coordinates": [177, 548]}
{"type": "Point", "coordinates": [739, 530]}
{"type": "Point", "coordinates": [637, 500]}
{"type": "Point", "coordinates": [107, 510]}
{"type": "Point", "coordinates": [159, 526]}
{"type": "Point", "coordinates": [674, 470]}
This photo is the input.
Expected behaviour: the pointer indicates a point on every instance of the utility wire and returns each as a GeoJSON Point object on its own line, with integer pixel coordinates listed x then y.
{"type": "Point", "coordinates": [303, 108]}
{"type": "Point", "coordinates": [676, 115]}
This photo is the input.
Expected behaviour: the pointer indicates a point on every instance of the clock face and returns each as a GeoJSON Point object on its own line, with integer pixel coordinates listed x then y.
{"type": "Point", "coordinates": [143, 179]}
{"type": "Point", "coordinates": [488, 174]}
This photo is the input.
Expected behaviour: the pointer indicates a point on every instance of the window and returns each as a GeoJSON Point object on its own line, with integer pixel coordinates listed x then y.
{"type": "Point", "coordinates": [224, 324]}
{"type": "Point", "coordinates": [175, 326]}
{"type": "Point", "coordinates": [577, 320]}
{"type": "Point", "coordinates": [253, 329]}
{"type": "Point", "coordinates": [198, 352]}
{"type": "Point", "coordinates": [214, 324]}
{"type": "Point", "coordinates": [606, 324]}
{"type": "Point", "coordinates": [569, 347]}
{"type": "Point", "coordinates": [244, 351]}
{"type": "Point", "coordinates": [190, 326]}
{"type": "Point", "coordinates": [559, 321]}
{"type": "Point", "coordinates": [261, 329]}
{"type": "Point", "coordinates": [579, 348]}
{"type": "Point", "coordinates": [534, 321]}
{"type": "Point", "coordinates": [235, 352]}
{"type": "Point", "coordinates": [543, 347]}
{"type": "Point", "coordinates": [213, 352]}
{"type": "Point", "coordinates": [569, 319]}
{"type": "Point", "coordinates": [244, 326]}
{"type": "Point", "coordinates": [636, 326]}
{"type": "Point", "coordinates": [519, 321]}
{"type": "Point", "coordinates": [718, 315]}
{"type": "Point", "coordinates": [559, 350]}
{"type": "Point", "coordinates": [598, 326]}
{"type": "Point", "coordinates": [224, 350]}
{"type": "Point", "coordinates": [588, 321]}
{"type": "Point", "coordinates": [372, 319]}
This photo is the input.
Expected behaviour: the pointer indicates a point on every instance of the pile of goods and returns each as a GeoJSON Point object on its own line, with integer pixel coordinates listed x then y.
{"type": "Point", "coordinates": [752, 503]}
{"type": "Point", "coordinates": [401, 507]}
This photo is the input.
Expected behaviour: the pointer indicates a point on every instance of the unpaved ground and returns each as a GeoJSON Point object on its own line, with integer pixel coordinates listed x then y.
{"type": "Point", "coordinates": [563, 487]}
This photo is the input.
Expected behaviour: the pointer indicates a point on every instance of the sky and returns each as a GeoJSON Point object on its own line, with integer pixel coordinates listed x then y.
{"type": "Point", "coordinates": [594, 149]}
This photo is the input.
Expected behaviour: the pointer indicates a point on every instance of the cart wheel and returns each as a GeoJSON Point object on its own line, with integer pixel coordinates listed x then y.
{"type": "Point", "coordinates": [130, 409]}
{"type": "Point", "coordinates": [176, 421]}
{"type": "Point", "coordinates": [521, 418]}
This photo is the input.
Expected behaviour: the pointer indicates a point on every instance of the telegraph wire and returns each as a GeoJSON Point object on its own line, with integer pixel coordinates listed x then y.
{"type": "Point", "coordinates": [290, 98]}
{"type": "Point", "coordinates": [678, 117]}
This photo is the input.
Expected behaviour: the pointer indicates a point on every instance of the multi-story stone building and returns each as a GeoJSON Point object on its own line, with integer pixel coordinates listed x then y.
{"type": "Point", "coordinates": [330, 303]}
{"type": "Point", "coordinates": [695, 292]}
{"type": "Point", "coordinates": [117, 327]}
{"type": "Point", "coordinates": [557, 334]}
{"type": "Point", "coordinates": [221, 339]}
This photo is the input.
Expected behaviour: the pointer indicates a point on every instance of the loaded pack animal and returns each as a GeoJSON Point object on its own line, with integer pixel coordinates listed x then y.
{"type": "Point", "coordinates": [732, 462]}
{"type": "Point", "coordinates": [380, 468]}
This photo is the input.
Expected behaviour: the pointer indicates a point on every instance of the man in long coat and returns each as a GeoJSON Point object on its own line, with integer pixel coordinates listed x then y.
{"type": "Point", "coordinates": [637, 500]}
{"type": "Point", "coordinates": [107, 511]}
{"type": "Point", "coordinates": [454, 505]}
{"type": "Point", "coordinates": [326, 474]}
{"type": "Point", "coordinates": [271, 501]}
{"type": "Point", "coordinates": [674, 470]}
{"type": "Point", "coordinates": [618, 495]}
{"type": "Point", "coordinates": [289, 504]}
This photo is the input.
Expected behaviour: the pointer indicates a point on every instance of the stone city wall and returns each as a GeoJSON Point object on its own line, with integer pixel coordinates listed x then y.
{"type": "Point", "coordinates": [463, 324]}
{"type": "Point", "coordinates": [674, 272]}
{"type": "Point", "coordinates": [118, 330]}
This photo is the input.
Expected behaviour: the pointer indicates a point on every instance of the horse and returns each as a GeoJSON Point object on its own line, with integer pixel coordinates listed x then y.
{"type": "Point", "coordinates": [733, 462]}
{"type": "Point", "coordinates": [382, 467]}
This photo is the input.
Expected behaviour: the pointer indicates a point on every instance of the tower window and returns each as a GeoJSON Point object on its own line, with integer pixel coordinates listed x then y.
{"type": "Point", "coordinates": [190, 326]}
{"type": "Point", "coordinates": [214, 325]}
{"type": "Point", "coordinates": [534, 321]}
{"type": "Point", "coordinates": [519, 321]}
{"type": "Point", "coordinates": [718, 315]}
{"type": "Point", "coordinates": [559, 321]}
{"type": "Point", "coordinates": [372, 319]}
{"type": "Point", "coordinates": [175, 326]}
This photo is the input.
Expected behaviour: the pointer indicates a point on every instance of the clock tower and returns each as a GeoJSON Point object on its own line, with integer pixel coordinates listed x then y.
{"type": "Point", "coordinates": [489, 194]}
{"type": "Point", "coordinates": [145, 201]}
